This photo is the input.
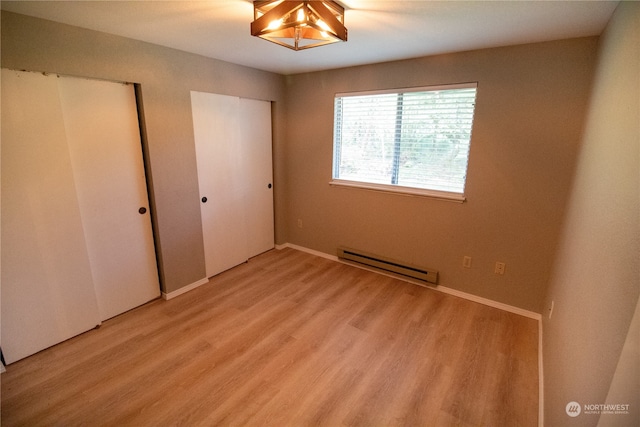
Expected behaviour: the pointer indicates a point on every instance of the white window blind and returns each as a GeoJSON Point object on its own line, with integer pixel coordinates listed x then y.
{"type": "Point", "coordinates": [414, 139]}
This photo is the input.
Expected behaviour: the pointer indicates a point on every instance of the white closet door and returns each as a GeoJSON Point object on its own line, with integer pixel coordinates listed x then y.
{"type": "Point", "coordinates": [47, 291]}
{"type": "Point", "coordinates": [255, 134]}
{"type": "Point", "coordinates": [220, 162]}
{"type": "Point", "coordinates": [106, 154]}
{"type": "Point", "coordinates": [233, 149]}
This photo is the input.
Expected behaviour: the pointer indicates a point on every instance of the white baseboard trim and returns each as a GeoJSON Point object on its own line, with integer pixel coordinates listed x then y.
{"type": "Point", "coordinates": [309, 251]}
{"type": "Point", "coordinates": [170, 295]}
{"type": "Point", "coordinates": [441, 288]}
{"type": "Point", "coordinates": [490, 303]}
{"type": "Point", "coordinates": [540, 378]}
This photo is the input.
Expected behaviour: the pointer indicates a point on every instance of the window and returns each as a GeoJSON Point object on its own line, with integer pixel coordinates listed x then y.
{"type": "Point", "coordinates": [412, 141]}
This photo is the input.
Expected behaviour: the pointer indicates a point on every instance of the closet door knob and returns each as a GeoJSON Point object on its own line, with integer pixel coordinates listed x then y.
{"type": "Point", "coordinates": [269, 186]}
{"type": "Point", "coordinates": [142, 210]}
{"type": "Point", "coordinates": [204, 200]}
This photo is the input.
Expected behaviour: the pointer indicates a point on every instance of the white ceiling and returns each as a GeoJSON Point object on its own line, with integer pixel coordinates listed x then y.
{"type": "Point", "coordinates": [379, 30]}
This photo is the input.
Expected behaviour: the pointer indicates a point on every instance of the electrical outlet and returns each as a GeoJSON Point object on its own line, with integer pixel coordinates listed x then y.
{"type": "Point", "coordinates": [466, 262]}
{"type": "Point", "coordinates": [551, 309]}
{"type": "Point", "coordinates": [299, 223]}
{"type": "Point", "coordinates": [500, 266]}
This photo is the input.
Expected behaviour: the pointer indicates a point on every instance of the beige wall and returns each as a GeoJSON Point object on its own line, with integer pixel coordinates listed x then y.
{"type": "Point", "coordinates": [526, 134]}
{"type": "Point", "coordinates": [596, 280]}
{"type": "Point", "coordinates": [625, 385]}
{"type": "Point", "coordinates": [166, 76]}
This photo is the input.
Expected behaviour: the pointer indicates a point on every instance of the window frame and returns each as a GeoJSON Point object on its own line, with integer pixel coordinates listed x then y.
{"type": "Point", "coordinates": [395, 188]}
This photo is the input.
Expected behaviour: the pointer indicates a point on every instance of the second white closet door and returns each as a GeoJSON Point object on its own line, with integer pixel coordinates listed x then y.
{"type": "Point", "coordinates": [101, 124]}
{"type": "Point", "coordinates": [233, 150]}
{"type": "Point", "coordinates": [255, 134]}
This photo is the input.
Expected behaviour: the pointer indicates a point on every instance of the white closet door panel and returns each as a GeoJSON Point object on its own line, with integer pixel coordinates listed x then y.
{"type": "Point", "coordinates": [219, 159]}
{"type": "Point", "coordinates": [106, 154]}
{"type": "Point", "coordinates": [255, 134]}
{"type": "Point", "coordinates": [47, 290]}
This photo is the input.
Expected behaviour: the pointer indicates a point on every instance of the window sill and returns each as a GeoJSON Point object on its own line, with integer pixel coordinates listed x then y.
{"type": "Point", "coordinates": [404, 191]}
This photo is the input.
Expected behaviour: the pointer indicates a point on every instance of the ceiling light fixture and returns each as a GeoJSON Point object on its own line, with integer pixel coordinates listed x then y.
{"type": "Point", "coordinates": [299, 25]}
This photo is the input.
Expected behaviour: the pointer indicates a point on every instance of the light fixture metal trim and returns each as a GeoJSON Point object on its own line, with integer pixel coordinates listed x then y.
{"type": "Point", "coordinates": [299, 25]}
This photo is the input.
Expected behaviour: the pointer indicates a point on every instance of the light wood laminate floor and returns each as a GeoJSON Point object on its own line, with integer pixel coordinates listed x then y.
{"type": "Point", "coordinates": [288, 339]}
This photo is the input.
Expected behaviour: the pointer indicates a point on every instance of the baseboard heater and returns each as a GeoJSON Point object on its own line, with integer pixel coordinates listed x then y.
{"type": "Point", "coordinates": [420, 274]}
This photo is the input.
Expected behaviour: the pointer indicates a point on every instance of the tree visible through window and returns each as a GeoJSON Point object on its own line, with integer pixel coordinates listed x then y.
{"type": "Point", "coordinates": [415, 138]}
